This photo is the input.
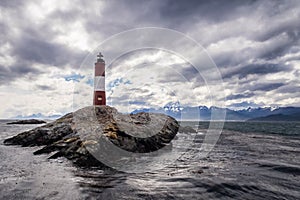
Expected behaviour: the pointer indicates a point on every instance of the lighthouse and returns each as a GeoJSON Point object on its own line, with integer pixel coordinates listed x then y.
{"type": "Point", "coordinates": [99, 81]}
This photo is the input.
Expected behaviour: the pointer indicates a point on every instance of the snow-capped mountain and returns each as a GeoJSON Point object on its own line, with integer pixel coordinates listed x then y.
{"type": "Point", "coordinates": [173, 107]}
{"type": "Point", "coordinates": [37, 116]}
{"type": "Point", "coordinates": [204, 113]}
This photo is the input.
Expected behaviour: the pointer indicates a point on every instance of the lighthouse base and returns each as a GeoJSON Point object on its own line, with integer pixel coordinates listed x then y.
{"type": "Point", "coordinates": [99, 98]}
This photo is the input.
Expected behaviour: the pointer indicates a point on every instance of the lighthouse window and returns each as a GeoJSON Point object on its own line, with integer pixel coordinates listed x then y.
{"type": "Point", "coordinates": [99, 98]}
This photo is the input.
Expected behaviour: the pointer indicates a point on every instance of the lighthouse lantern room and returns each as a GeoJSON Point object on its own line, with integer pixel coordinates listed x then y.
{"type": "Point", "coordinates": [99, 81]}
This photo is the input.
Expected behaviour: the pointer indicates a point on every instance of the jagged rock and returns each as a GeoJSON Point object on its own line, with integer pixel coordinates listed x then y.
{"type": "Point", "coordinates": [28, 121]}
{"type": "Point", "coordinates": [44, 135]}
{"type": "Point", "coordinates": [77, 134]}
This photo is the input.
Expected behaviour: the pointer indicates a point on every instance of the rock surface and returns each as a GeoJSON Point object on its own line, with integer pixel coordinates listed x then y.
{"type": "Point", "coordinates": [28, 121]}
{"type": "Point", "coordinates": [76, 134]}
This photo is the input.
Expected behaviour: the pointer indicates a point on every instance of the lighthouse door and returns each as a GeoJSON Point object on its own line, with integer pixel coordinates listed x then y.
{"type": "Point", "coordinates": [100, 100]}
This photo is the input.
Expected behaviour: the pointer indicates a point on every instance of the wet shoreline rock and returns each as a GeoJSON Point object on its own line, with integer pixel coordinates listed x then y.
{"type": "Point", "coordinates": [43, 135]}
{"type": "Point", "coordinates": [76, 134]}
{"type": "Point", "coordinates": [28, 121]}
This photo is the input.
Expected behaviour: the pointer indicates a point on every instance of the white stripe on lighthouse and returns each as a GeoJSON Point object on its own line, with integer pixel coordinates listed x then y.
{"type": "Point", "coordinates": [99, 83]}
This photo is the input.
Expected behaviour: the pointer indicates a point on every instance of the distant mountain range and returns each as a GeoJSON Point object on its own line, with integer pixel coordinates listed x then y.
{"type": "Point", "coordinates": [204, 113]}
{"type": "Point", "coordinates": [37, 116]}
{"type": "Point", "coordinates": [278, 117]}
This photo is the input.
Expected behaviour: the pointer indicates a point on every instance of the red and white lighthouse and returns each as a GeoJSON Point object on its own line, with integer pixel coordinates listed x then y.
{"type": "Point", "coordinates": [99, 81]}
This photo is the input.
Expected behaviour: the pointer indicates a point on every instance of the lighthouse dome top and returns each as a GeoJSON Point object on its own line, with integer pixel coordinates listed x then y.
{"type": "Point", "coordinates": [100, 58]}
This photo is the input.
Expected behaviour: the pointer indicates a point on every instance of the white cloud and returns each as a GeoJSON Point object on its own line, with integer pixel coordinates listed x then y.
{"type": "Point", "coordinates": [25, 98]}
{"type": "Point", "coordinates": [250, 35]}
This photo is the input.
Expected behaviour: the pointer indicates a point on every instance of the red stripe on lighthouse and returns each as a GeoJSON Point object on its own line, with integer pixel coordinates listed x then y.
{"type": "Point", "coordinates": [99, 81]}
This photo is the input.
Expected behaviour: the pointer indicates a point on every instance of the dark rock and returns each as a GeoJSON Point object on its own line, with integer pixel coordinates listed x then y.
{"type": "Point", "coordinates": [28, 121]}
{"type": "Point", "coordinates": [75, 135]}
{"type": "Point", "coordinates": [43, 135]}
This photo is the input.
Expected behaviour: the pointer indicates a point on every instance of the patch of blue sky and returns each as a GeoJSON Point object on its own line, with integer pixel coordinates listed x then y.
{"type": "Point", "coordinates": [90, 82]}
{"type": "Point", "coordinates": [117, 82]}
{"type": "Point", "coordinates": [137, 102]}
{"type": "Point", "coordinates": [73, 77]}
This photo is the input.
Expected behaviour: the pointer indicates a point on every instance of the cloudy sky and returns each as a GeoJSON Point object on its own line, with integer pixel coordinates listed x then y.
{"type": "Point", "coordinates": [48, 48]}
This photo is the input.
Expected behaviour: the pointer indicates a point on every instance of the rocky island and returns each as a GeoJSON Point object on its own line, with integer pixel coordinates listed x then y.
{"type": "Point", "coordinates": [74, 135]}
{"type": "Point", "coordinates": [28, 121]}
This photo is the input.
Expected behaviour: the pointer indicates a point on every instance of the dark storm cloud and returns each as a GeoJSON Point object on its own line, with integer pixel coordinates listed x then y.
{"type": "Point", "coordinates": [23, 69]}
{"type": "Point", "coordinates": [292, 88]}
{"type": "Point", "coordinates": [212, 11]}
{"type": "Point", "coordinates": [266, 86]}
{"type": "Point", "coordinates": [275, 49]}
{"type": "Point", "coordinates": [279, 31]}
{"type": "Point", "coordinates": [189, 73]}
{"type": "Point", "coordinates": [4, 75]}
{"type": "Point", "coordinates": [31, 45]}
{"type": "Point", "coordinates": [117, 16]}
{"type": "Point", "coordinates": [11, 3]}
{"type": "Point", "coordinates": [66, 16]}
{"type": "Point", "coordinates": [271, 30]}
{"type": "Point", "coordinates": [256, 87]}
{"type": "Point", "coordinates": [240, 96]}
{"type": "Point", "coordinates": [45, 87]}
{"type": "Point", "coordinates": [4, 30]}
{"type": "Point", "coordinates": [258, 69]}
{"type": "Point", "coordinates": [17, 71]}
{"type": "Point", "coordinates": [38, 50]}
{"type": "Point", "coordinates": [182, 73]}
{"type": "Point", "coordinates": [286, 47]}
{"type": "Point", "coordinates": [32, 49]}
{"type": "Point", "coordinates": [291, 27]}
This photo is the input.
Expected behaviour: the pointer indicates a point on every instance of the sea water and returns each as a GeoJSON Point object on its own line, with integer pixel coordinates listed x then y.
{"type": "Point", "coordinates": [251, 160]}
